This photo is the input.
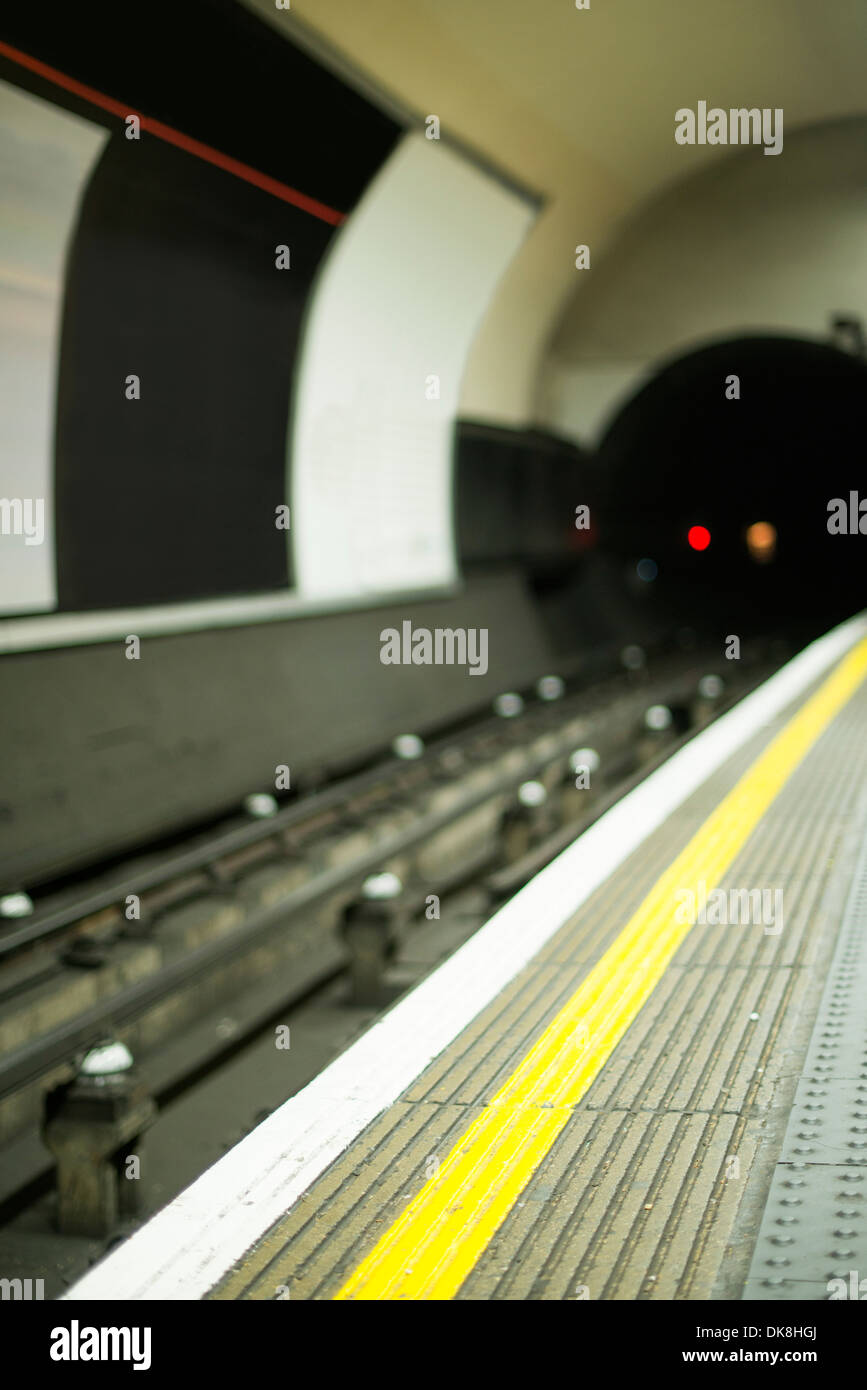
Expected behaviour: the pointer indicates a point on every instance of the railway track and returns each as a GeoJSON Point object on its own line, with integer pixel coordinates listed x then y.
{"type": "Point", "coordinates": [248, 923]}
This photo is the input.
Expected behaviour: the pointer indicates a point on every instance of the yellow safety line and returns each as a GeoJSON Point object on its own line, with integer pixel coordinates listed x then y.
{"type": "Point", "coordinates": [433, 1246]}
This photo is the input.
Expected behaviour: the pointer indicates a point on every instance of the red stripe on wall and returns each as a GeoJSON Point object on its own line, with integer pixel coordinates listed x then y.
{"type": "Point", "coordinates": [177, 138]}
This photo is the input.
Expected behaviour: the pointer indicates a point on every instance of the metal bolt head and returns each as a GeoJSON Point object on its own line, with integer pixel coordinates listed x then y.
{"type": "Point", "coordinates": [711, 687]}
{"type": "Point", "coordinates": [381, 888]}
{"type": "Point", "coordinates": [550, 688]}
{"type": "Point", "coordinates": [407, 746]}
{"type": "Point", "coordinates": [16, 905]}
{"type": "Point", "coordinates": [633, 657]}
{"type": "Point", "coordinates": [106, 1059]}
{"type": "Point", "coordinates": [657, 718]}
{"type": "Point", "coordinates": [532, 794]}
{"type": "Point", "coordinates": [584, 757]}
{"type": "Point", "coordinates": [508, 706]}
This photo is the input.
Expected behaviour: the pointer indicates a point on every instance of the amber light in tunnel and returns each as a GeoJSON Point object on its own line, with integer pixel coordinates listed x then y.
{"type": "Point", "coordinates": [762, 541]}
{"type": "Point", "coordinates": [698, 537]}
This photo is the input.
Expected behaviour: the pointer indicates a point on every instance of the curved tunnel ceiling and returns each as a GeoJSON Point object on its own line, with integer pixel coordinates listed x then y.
{"type": "Point", "coordinates": [774, 244]}
{"type": "Point", "coordinates": [579, 105]}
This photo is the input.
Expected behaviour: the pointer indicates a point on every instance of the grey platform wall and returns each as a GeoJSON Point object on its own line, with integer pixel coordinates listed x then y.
{"type": "Point", "coordinates": [100, 752]}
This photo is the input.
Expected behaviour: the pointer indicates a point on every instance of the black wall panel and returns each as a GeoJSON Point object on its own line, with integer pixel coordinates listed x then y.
{"type": "Point", "coordinates": [173, 278]}
{"type": "Point", "coordinates": [515, 496]}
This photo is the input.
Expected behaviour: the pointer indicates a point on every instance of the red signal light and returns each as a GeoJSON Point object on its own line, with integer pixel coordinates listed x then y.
{"type": "Point", "coordinates": [698, 537]}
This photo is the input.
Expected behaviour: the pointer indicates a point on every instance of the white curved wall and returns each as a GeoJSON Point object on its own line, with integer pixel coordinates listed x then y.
{"type": "Point", "coordinates": [393, 314]}
{"type": "Point", "coordinates": [46, 159]}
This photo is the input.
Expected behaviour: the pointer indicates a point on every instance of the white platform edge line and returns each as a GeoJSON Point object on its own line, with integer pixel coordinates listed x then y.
{"type": "Point", "coordinates": [46, 631]}
{"type": "Point", "coordinates": [187, 1248]}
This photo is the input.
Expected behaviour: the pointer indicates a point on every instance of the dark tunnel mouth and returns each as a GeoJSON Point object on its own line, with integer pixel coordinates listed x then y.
{"type": "Point", "coordinates": [680, 454]}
